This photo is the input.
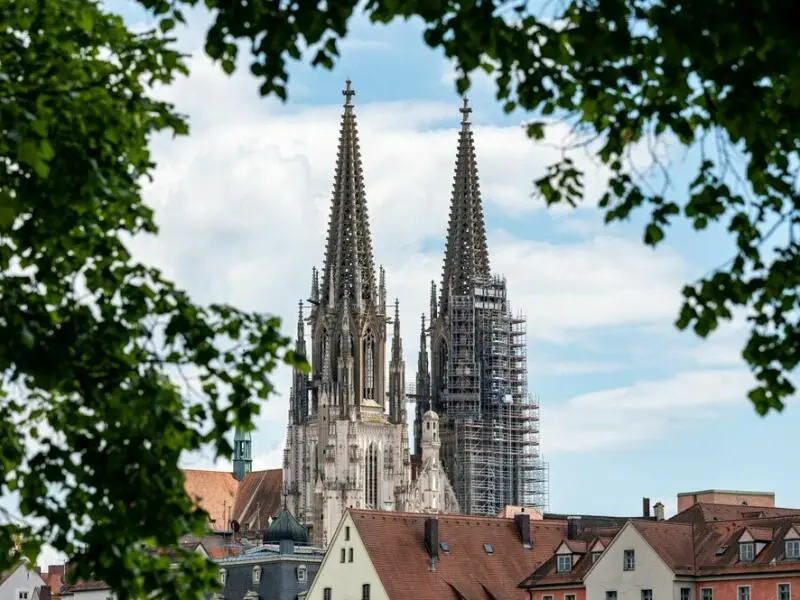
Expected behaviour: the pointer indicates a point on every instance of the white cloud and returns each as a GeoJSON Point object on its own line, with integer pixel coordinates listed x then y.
{"type": "Point", "coordinates": [243, 205]}
{"type": "Point", "coordinates": [604, 418]}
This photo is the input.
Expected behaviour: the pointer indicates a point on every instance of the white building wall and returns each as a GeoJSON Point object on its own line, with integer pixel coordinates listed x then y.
{"type": "Point", "coordinates": [650, 571]}
{"type": "Point", "coordinates": [346, 578]}
{"type": "Point", "coordinates": [20, 584]}
{"type": "Point", "coordinates": [90, 595]}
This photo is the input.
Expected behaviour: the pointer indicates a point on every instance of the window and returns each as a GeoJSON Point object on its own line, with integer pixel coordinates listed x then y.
{"type": "Point", "coordinates": [302, 573]}
{"type": "Point", "coordinates": [595, 556]}
{"type": "Point", "coordinates": [784, 591]}
{"type": "Point", "coordinates": [611, 595]}
{"type": "Point", "coordinates": [744, 592]}
{"type": "Point", "coordinates": [686, 594]}
{"type": "Point", "coordinates": [706, 594]}
{"type": "Point", "coordinates": [564, 564]}
{"type": "Point", "coordinates": [647, 594]}
{"type": "Point", "coordinates": [343, 555]}
{"type": "Point", "coordinates": [793, 549]}
{"type": "Point", "coordinates": [349, 555]}
{"type": "Point", "coordinates": [326, 594]}
{"type": "Point", "coordinates": [22, 595]}
{"type": "Point", "coordinates": [347, 533]}
{"type": "Point", "coordinates": [256, 574]}
{"type": "Point", "coordinates": [371, 483]}
{"type": "Point", "coordinates": [628, 560]}
{"type": "Point", "coordinates": [747, 552]}
{"type": "Point", "coordinates": [365, 592]}
{"type": "Point", "coordinates": [569, 597]}
{"type": "Point", "coordinates": [223, 575]}
{"type": "Point", "coordinates": [488, 549]}
{"type": "Point", "coordinates": [547, 598]}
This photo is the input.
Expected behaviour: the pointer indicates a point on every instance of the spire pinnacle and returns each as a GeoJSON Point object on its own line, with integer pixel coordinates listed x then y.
{"type": "Point", "coordinates": [349, 267]}
{"type": "Point", "coordinates": [348, 92]}
{"type": "Point", "coordinates": [466, 255]}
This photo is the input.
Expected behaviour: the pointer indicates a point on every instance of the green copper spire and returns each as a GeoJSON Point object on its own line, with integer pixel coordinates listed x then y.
{"type": "Point", "coordinates": [242, 454]}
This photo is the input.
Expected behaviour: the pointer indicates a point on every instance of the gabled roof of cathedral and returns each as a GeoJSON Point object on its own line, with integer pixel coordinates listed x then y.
{"type": "Point", "coordinates": [349, 269]}
{"type": "Point", "coordinates": [251, 501]}
{"type": "Point", "coordinates": [467, 253]}
{"type": "Point", "coordinates": [480, 558]}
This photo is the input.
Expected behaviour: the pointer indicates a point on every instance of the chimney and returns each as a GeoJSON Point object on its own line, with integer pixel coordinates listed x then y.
{"type": "Point", "coordinates": [523, 522]}
{"type": "Point", "coordinates": [44, 592]}
{"type": "Point", "coordinates": [646, 508]}
{"type": "Point", "coordinates": [658, 509]}
{"type": "Point", "coordinates": [573, 527]}
{"type": "Point", "coordinates": [432, 537]}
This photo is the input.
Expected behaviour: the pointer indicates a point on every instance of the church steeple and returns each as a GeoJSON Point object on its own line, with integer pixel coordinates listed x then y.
{"type": "Point", "coordinates": [298, 400]}
{"type": "Point", "coordinates": [242, 454]}
{"type": "Point", "coordinates": [349, 269]}
{"type": "Point", "coordinates": [423, 390]}
{"type": "Point", "coordinates": [397, 368]}
{"type": "Point", "coordinates": [467, 254]}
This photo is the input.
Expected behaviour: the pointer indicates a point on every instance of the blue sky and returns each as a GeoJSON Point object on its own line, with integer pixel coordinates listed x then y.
{"type": "Point", "coordinates": [630, 407]}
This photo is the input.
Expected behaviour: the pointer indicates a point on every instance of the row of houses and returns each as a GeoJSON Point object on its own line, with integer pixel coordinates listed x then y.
{"type": "Point", "coordinates": [719, 546]}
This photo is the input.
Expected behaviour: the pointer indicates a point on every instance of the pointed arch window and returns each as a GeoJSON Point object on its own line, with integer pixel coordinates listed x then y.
{"type": "Point", "coordinates": [368, 352]}
{"type": "Point", "coordinates": [372, 476]}
{"type": "Point", "coordinates": [442, 366]}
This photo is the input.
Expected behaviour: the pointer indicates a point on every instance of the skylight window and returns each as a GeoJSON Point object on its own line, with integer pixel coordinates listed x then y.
{"type": "Point", "coordinates": [488, 548]}
{"type": "Point", "coordinates": [445, 547]}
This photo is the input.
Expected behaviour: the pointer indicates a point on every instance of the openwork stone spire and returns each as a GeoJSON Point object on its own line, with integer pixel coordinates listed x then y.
{"type": "Point", "coordinates": [466, 255]}
{"type": "Point", "coordinates": [349, 267]}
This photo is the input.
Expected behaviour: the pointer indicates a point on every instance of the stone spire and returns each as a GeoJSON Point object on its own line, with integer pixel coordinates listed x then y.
{"type": "Point", "coordinates": [397, 369]}
{"type": "Point", "coordinates": [299, 394]}
{"type": "Point", "coordinates": [466, 255]}
{"type": "Point", "coordinates": [349, 267]}
{"type": "Point", "coordinates": [423, 390]}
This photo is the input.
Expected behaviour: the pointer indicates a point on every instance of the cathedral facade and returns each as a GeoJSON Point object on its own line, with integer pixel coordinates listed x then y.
{"type": "Point", "coordinates": [347, 441]}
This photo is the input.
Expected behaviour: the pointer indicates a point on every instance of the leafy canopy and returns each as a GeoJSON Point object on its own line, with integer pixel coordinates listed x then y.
{"type": "Point", "coordinates": [622, 70]}
{"type": "Point", "coordinates": [91, 341]}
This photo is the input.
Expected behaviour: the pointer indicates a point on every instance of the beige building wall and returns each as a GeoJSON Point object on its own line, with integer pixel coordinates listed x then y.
{"type": "Point", "coordinates": [758, 499]}
{"type": "Point", "coordinates": [650, 571]}
{"type": "Point", "coordinates": [346, 579]}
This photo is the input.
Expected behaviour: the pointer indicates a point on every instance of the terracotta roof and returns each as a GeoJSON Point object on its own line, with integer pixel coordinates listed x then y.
{"type": "Point", "coordinates": [548, 575]}
{"type": "Point", "coordinates": [509, 510]}
{"type": "Point", "coordinates": [467, 571]}
{"type": "Point", "coordinates": [673, 542]}
{"type": "Point", "coordinates": [251, 501]}
{"type": "Point", "coordinates": [704, 512]}
{"type": "Point", "coordinates": [53, 577]}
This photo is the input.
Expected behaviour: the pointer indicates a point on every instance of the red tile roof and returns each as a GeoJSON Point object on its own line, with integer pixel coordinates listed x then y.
{"type": "Point", "coordinates": [704, 512]}
{"type": "Point", "coordinates": [251, 502]}
{"type": "Point", "coordinates": [395, 543]}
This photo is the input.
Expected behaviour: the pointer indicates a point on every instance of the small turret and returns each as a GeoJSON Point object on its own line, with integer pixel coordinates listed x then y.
{"type": "Point", "coordinates": [242, 454]}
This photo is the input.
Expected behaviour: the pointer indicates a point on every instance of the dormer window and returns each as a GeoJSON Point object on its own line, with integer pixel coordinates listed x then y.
{"type": "Point", "coordinates": [223, 576]}
{"type": "Point", "coordinates": [596, 555]}
{"type": "Point", "coordinates": [302, 573]}
{"type": "Point", "coordinates": [747, 552]}
{"type": "Point", "coordinates": [564, 563]}
{"type": "Point", "coordinates": [793, 549]}
{"type": "Point", "coordinates": [256, 574]}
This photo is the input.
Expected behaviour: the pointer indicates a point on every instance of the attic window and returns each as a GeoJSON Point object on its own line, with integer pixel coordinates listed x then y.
{"type": "Point", "coordinates": [223, 575]}
{"type": "Point", "coordinates": [564, 563]}
{"type": "Point", "coordinates": [721, 551]}
{"type": "Point", "coordinates": [488, 548]}
{"type": "Point", "coordinates": [256, 574]}
{"type": "Point", "coordinates": [302, 573]}
{"type": "Point", "coordinates": [747, 552]}
{"type": "Point", "coordinates": [445, 547]}
{"type": "Point", "coordinates": [596, 555]}
{"type": "Point", "coordinates": [793, 549]}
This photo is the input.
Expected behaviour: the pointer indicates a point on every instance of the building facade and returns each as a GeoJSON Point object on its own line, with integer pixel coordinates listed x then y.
{"type": "Point", "coordinates": [477, 379]}
{"type": "Point", "coordinates": [709, 551]}
{"type": "Point", "coordinates": [347, 439]}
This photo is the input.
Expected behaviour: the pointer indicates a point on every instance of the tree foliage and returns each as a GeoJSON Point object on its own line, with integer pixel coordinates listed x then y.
{"type": "Point", "coordinates": [622, 71]}
{"type": "Point", "coordinates": [92, 343]}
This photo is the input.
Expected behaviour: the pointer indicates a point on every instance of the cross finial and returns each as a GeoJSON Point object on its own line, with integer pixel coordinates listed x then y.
{"type": "Point", "coordinates": [348, 92]}
{"type": "Point", "coordinates": [465, 110]}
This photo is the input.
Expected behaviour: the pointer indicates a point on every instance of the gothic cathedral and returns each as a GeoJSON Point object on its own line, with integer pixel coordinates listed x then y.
{"type": "Point", "coordinates": [344, 448]}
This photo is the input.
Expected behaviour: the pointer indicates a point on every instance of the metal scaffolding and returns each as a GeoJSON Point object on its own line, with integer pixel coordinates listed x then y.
{"type": "Point", "coordinates": [490, 429]}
